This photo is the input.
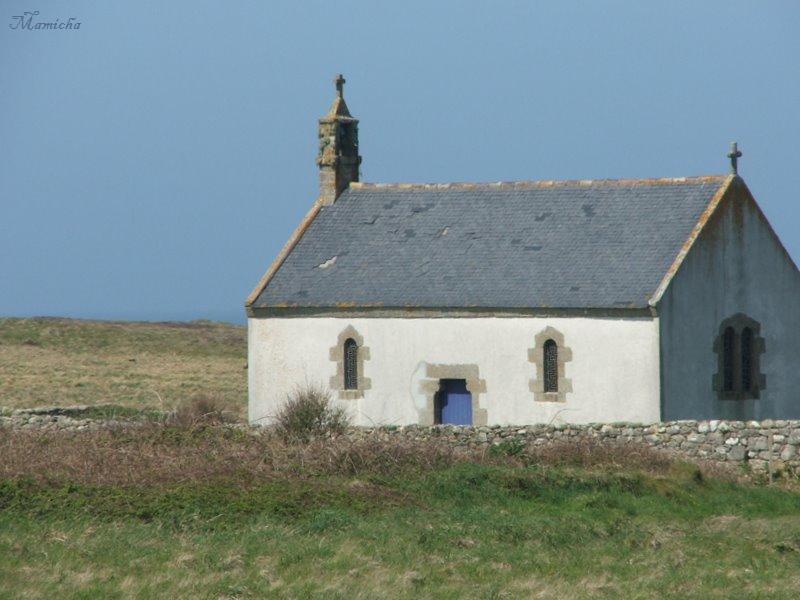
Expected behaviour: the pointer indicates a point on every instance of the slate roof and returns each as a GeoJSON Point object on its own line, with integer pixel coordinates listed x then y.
{"type": "Point", "coordinates": [578, 244]}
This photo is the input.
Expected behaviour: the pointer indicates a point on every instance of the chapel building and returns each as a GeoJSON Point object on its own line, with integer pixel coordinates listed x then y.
{"type": "Point", "coordinates": [524, 302]}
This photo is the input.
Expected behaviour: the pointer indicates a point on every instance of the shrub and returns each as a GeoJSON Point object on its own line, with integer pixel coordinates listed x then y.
{"type": "Point", "coordinates": [202, 409]}
{"type": "Point", "coordinates": [308, 413]}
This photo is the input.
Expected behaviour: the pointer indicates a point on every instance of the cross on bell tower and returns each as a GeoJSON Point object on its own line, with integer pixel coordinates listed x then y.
{"type": "Point", "coordinates": [734, 155]}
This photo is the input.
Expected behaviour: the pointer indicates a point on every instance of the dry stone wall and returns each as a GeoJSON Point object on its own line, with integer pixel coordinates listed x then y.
{"type": "Point", "coordinates": [72, 418]}
{"type": "Point", "coordinates": [764, 446]}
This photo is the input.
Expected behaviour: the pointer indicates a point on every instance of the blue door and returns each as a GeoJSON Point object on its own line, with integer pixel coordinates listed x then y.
{"type": "Point", "coordinates": [455, 402]}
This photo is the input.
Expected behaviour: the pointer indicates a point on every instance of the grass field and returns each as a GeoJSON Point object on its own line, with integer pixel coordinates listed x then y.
{"type": "Point", "coordinates": [164, 511]}
{"type": "Point", "coordinates": [214, 513]}
{"type": "Point", "coordinates": [59, 362]}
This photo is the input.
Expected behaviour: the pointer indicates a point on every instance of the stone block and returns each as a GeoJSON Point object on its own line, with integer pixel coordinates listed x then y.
{"type": "Point", "coordinates": [737, 453]}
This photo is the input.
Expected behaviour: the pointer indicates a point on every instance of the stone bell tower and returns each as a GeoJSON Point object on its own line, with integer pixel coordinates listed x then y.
{"type": "Point", "coordinates": [338, 158]}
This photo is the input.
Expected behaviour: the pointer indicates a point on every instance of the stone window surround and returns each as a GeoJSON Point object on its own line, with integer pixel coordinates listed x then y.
{"type": "Point", "coordinates": [432, 382]}
{"type": "Point", "coordinates": [337, 356]}
{"type": "Point", "coordinates": [536, 356]}
{"type": "Point", "coordinates": [739, 322]}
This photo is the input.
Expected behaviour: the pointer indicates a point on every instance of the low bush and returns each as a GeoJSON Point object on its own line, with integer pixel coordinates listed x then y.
{"type": "Point", "coordinates": [201, 409]}
{"type": "Point", "coordinates": [309, 413]}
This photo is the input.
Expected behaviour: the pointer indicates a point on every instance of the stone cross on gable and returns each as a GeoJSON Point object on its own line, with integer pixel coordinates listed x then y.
{"type": "Point", "coordinates": [339, 81]}
{"type": "Point", "coordinates": [734, 155]}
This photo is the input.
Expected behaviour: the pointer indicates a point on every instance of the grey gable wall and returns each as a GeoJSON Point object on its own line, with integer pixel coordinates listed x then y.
{"type": "Point", "coordinates": [735, 266]}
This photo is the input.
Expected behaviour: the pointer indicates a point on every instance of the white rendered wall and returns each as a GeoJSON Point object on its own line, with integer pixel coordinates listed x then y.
{"type": "Point", "coordinates": [614, 368]}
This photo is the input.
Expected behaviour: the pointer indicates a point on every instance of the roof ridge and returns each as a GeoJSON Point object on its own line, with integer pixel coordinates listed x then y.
{"type": "Point", "coordinates": [540, 183]}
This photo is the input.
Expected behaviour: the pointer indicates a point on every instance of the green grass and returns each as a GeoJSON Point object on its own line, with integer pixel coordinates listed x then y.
{"type": "Point", "coordinates": [469, 530]}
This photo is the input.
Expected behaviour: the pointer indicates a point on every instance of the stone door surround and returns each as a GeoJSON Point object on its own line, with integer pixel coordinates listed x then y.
{"type": "Point", "coordinates": [430, 386]}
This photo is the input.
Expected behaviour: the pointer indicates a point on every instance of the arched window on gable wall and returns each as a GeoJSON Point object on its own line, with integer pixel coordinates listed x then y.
{"type": "Point", "coordinates": [747, 359]}
{"type": "Point", "coordinates": [728, 360]}
{"type": "Point", "coordinates": [739, 347]}
{"type": "Point", "coordinates": [550, 366]}
{"type": "Point", "coordinates": [350, 364]}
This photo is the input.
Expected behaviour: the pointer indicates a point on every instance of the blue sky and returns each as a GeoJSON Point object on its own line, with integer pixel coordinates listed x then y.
{"type": "Point", "coordinates": [153, 162]}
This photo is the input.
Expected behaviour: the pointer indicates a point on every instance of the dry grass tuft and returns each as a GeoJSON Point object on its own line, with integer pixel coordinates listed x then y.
{"type": "Point", "coordinates": [588, 453]}
{"type": "Point", "coordinates": [154, 454]}
{"type": "Point", "coordinates": [202, 409]}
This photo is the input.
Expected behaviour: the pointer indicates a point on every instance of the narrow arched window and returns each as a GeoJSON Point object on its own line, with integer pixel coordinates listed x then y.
{"type": "Point", "coordinates": [728, 343]}
{"type": "Point", "coordinates": [550, 366]}
{"type": "Point", "coordinates": [350, 364]}
{"type": "Point", "coordinates": [747, 359]}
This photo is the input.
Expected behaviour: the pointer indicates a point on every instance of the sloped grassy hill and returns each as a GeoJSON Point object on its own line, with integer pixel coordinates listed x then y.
{"type": "Point", "coordinates": [59, 362]}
